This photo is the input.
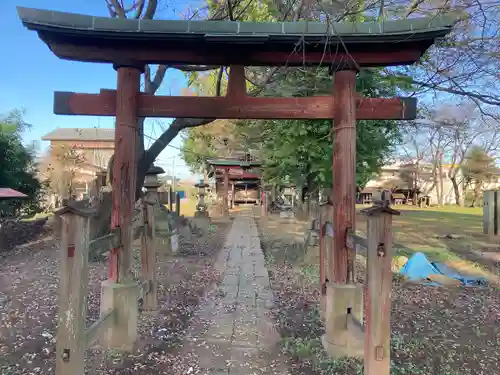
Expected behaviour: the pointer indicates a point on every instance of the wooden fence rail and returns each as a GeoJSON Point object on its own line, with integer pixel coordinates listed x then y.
{"type": "Point", "coordinates": [346, 303]}
{"type": "Point", "coordinates": [113, 325]}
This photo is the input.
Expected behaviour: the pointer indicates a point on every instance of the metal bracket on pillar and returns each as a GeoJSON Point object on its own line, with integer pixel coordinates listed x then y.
{"type": "Point", "coordinates": [117, 240]}
{"type": "Point", "coordinates": [381, 250]}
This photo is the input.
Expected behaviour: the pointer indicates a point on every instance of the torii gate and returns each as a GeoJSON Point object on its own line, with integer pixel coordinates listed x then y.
{"type": "Point", "coordinates": [131, 44]}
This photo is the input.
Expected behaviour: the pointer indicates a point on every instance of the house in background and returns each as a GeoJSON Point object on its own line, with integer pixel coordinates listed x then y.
{"type": "Point", "coordinates": [95, 146]}
{"type": "Point", "coordinates": [401, 177]}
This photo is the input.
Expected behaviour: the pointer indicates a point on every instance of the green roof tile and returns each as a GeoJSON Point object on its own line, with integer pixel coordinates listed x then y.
{"type": "Point", "coordinates": [230, 163]}
{"type": "Point", "coordinates": [77, 21]}
{"type": "Point", "coordinates": [231, 42]}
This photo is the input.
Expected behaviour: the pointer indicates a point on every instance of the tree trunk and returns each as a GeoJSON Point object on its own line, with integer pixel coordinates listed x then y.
{"type": "Point", "coordinates": [456, 189]}
{"type": "Point", "coordinates": [441, 180]}
{"type": "Point", "coordinates": [438, 186]}
{"type": "Point", "coordinates": [476, 193]}
{"type": "Point", "coordinates": [416, 177]}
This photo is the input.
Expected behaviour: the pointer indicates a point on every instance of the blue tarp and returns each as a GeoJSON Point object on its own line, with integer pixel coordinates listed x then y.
{"type": "Point", "coordinates": [419, 267]}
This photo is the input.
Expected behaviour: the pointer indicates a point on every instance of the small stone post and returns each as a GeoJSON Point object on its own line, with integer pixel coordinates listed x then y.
{"type": "Point", "coordinates": [148, 248]}
{"type": "Point", "coordinates": [490, 208]}
{"type": "Point", "coordinates": [71, 339]}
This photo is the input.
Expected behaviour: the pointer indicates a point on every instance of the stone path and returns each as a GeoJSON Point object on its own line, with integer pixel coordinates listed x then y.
{"type": "Point", "coordinates": [238, 336]}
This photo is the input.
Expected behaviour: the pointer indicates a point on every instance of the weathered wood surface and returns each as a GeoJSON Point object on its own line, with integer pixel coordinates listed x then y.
{"type": "Point", "coordinates": [344, 175]}
{"type": "Point", "coordinates": [317, 107]}
{"type": "Point", "coordinates": [104, 243]}
{"type": "Point", "coordinates": [92, 333]}
{"type": "Point", "coordinates": [355, 242]}
{"type": "Point", "coordinates": [71, 342]}
{"type": "Point", "coordinates": [169, 56]}
{"type": "Point", "coordinates": [379, 279]}
{"type": "Point", "coordinates": [124, 173]}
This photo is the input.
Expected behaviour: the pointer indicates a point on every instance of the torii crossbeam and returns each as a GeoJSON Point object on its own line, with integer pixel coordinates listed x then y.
{"type": "Point", "coordinates": [236, 104]}
{"type": "Point", "coordinates": [344, 48]}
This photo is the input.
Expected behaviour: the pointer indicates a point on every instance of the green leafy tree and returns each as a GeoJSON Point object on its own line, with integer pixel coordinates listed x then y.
{"type": "Point", "coordinates": [217, 139]}
{"type": "Point", "coordinates": [477, 168]}
{"type": "Point", "coordinates": [299, 152]}
{"type": "Point", "coordinates": [302, 150]}
{"type": "Point", "coordinates": [17, 169]}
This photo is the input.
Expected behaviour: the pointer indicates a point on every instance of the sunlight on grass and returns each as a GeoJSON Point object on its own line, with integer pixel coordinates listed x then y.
{"type": "Point", "coordinates": [477, 211]}
{"type": "Point", "coordinates": [188, 207]}
{"type": "Point", "coordinates": [40, 215]}
{"type": "Point", "coordinates": [423, 230]}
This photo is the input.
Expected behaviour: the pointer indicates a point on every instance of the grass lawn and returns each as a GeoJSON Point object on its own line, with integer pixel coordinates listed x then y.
{"type": "Point", "coordinates": [188, 207]}
{"type": "Point", "coordinates": [423, 230]}
{"type": "Point", "coordinates": [435, 330]}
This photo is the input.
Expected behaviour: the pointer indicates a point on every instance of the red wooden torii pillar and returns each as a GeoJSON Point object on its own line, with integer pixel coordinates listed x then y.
{"type": "Point", "coordinates": [344, 48]}
{"type": "Point", "coordinates": [127, 136]}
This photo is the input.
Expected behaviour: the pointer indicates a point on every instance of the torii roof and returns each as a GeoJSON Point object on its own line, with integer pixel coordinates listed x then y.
{"type": "Point", "coordinates": [100, 39]}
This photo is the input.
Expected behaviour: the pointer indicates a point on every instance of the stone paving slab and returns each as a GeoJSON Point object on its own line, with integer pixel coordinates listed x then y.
{"type": "Point", "coordinates": [239, 335]}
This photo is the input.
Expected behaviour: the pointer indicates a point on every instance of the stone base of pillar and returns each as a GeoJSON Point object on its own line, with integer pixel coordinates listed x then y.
{"type": "Point", "coordinates": [342, 339]}
{"type": "Point", "coordinates": [122, 334]}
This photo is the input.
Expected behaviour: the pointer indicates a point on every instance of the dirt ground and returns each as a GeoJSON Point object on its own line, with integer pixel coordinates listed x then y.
{"type": "Point", "coordinates": [435, 330]}
{"type": "Point", "coordinates": [28, 308]}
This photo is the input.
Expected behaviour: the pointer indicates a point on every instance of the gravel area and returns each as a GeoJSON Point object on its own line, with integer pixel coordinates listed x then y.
{"type": "Point", "coordinates": [435, 330]}
{"type": "Point", "coordinates": [28, 308]}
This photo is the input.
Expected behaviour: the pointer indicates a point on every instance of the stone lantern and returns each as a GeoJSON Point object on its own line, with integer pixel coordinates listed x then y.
{"type": "Point", "coordinates": [151, 182]}
{"type": "Point", "coordinates": [201, 207]}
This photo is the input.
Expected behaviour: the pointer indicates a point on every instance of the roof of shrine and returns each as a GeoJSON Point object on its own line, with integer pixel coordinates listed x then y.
{"type": "Point", "coordinates": [7, 193]}
{"type": "Point", "coordinates": [100, 39]}
{"type": "Point", "coordinates": [233, 163]}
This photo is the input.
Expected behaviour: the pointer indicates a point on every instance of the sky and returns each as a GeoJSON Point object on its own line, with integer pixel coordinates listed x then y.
{"type": "Point", "coordinates": [30, 73]}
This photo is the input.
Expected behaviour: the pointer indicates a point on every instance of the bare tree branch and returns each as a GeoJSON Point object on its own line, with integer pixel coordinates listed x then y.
{"type": "Point", "coordinates": [218, 85]}
{"type": "Point", "coordinates": [485, 98]}
{"type": "Point", "coordinates": [150, 9]}
{"type": "Point", "coordinates": [115, 9]}
{"type": "Point", "coordinates": [230, 10]}
{"type": "Point", "coordinates": [139, 8]}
